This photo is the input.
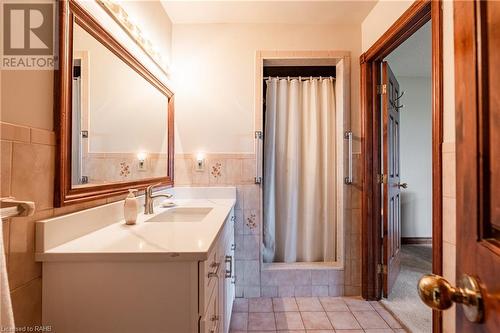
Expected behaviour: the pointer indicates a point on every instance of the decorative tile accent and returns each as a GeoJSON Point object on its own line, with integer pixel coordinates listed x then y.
{"type": "Point", "coordinates": [250, 221]}
{"type": "Point", "coordinates": [124, 169]}
{"type": "Point", "coordinates": [216, 170]}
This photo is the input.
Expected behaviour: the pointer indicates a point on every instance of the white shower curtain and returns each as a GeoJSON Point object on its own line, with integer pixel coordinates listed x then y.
{"type": "Point", "coordinates": [299, 171]}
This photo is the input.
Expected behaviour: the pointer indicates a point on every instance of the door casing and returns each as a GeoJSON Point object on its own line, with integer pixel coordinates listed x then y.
{"type": "Point", "coordinates": [419, 13]}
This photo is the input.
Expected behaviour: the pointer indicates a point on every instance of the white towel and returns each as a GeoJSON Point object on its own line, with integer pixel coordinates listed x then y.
{"type": "Point", "coordinates": [6, 314]}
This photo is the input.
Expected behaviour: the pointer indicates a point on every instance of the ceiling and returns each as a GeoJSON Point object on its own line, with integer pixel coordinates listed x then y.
{"type": "Point", "coordinates": [262, 11]}
{"type": "Point", "coordinates": [414, 56]}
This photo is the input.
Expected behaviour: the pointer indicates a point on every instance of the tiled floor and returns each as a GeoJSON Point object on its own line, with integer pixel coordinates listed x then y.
{"type": "Point", "coordinates": [311, 315]}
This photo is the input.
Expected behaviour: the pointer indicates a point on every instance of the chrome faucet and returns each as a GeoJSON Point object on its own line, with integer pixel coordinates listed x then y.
{"type": "Point", "coordinates": [149, 198]}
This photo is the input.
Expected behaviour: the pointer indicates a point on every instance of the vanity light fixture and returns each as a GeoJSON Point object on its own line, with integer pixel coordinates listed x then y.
{"type": "Point", "coordinates": [141, 156]}
{"type": "Point", "coordinates": [117, 13]}
{"type": "Point", "coordinates": [200, 161]}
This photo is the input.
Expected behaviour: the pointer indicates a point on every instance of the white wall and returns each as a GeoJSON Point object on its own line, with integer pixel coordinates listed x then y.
{"type": "Point", "coordinates": [154, 22]}
{"type": "Point", "coordinates": [380, 18]}
{"type": "Point", "coordinates": [416, 156]}
{"type": "Point", "coordinates": [214, 77]}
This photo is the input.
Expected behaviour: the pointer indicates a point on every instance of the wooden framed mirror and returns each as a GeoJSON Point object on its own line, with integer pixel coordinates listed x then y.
{"type": "Point", "coordinates": [114, 119]}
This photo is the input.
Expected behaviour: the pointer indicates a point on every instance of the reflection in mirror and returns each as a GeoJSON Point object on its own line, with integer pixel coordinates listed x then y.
{"type": "Point", "coordinates": [119, 119]}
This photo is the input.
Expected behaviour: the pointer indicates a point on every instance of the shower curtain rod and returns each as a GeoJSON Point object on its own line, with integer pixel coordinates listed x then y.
{"type": "Point", "coordinates": [298, 77]}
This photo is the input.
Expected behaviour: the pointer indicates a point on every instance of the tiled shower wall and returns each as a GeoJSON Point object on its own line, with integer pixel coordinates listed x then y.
{"type": "Point", "coordinates": [27, 170]}
{"type": "Point", "coordinates": [239, 170]}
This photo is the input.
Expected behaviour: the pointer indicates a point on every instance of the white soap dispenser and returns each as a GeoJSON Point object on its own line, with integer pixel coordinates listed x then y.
{"type": "Point", "coordinates": [131, 207]}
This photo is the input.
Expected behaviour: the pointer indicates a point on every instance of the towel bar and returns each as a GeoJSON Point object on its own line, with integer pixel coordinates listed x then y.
{"type": "Point", "coordinates": [10, 207]}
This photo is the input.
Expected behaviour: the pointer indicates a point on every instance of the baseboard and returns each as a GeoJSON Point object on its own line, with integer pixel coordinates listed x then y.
{"type": "Point", "coordinates": [416, 240]}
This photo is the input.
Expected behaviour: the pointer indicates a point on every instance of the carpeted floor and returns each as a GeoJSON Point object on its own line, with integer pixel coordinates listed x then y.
{"type": "Point", "coordinates": [404, 301]}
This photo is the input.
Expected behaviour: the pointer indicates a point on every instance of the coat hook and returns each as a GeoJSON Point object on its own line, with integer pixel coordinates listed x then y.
{"type": "Point", "coordinates": [402, 93]}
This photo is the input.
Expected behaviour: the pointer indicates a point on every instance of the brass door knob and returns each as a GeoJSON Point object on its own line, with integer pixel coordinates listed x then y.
{"type": "Point", "coordinates": [439, 294]}
{"type": "Point", "coordinates": [403, 185]}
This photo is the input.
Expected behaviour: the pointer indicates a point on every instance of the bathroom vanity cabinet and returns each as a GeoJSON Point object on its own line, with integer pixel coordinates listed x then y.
{"type": "Point", "coordinates": [90, 286]}
{"type": "Point", "coordinates": [217, 283]}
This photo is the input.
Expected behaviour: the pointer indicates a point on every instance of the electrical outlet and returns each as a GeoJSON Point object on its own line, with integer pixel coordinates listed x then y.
{"type": "Point", "coordinates": [200, 165]}
{"type": "Point", "coordinates": [141, 166]}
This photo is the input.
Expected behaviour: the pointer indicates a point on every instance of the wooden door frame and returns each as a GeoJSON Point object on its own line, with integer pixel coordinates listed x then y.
{"type": "Point", "coordinates": [419, 13]}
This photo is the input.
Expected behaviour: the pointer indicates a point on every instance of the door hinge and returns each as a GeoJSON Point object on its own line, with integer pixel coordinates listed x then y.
{"type": "Point", "coordinates": [382, 89]}
{"type": "Point", "coordinates": [382, 179]}
{"type": "Point", "coordinates": [381, 269]}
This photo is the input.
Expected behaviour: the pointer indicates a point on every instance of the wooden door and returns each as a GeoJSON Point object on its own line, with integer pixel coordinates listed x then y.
{"type": "Point", "coordinates": [477, 105]}
{"type": "Point", "coordinates": [391, 177]}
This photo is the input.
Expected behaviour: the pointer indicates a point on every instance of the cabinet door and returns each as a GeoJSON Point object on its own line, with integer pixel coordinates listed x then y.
{"type": "Point", "coordinates": [211, 321]}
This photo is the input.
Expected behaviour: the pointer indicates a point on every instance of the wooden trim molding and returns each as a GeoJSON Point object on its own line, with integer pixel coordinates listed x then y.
{"type": "Point", "coordinates": [416, 240]}
{"type": "Point", "coordinates": [410, 21]}
{"type": "Point", "coordinates": [70, 12]}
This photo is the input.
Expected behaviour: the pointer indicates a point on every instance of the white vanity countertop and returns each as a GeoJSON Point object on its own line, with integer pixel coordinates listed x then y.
{"type": "Point", "coordinates": [148, 241]}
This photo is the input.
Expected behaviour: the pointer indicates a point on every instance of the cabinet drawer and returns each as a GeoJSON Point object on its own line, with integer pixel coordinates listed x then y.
{"type": "Point", "coordinates": [209, 270]}
{"type": "Point", "coordinates": [210, 321]}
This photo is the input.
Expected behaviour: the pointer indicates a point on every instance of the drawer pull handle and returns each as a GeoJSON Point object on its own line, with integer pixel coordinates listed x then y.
{"type": "Point", "coordinates": [215, 273]}
{"type": "Point", "coordinates": [233, 247]}
{"type": "Point", "coordinates": [229, 272]}
{"type": "Point", "coordinates": [233, 218]}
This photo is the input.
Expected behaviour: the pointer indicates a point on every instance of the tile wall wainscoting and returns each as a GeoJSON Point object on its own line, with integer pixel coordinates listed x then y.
{"type": "Point", "coordinates": [239, 170]}
{"type": "Point", "coordinates": [27, 173]}
{"type": "Point", "coordinates": [102, 168]}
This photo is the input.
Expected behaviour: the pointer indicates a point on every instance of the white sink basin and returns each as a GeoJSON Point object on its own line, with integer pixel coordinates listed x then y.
{"type": "Point", "coordinates": [182, 214]}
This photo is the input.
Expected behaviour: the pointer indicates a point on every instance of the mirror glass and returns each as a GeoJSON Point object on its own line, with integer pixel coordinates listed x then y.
{"type": "Point", "coordinates": [119, 119]}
